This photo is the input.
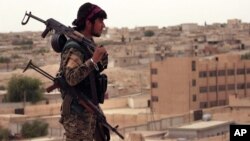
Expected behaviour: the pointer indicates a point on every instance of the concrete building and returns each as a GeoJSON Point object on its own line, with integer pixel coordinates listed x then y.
{"type": "Point", "coordinates": [184, 84]}
{"type": "Point", "coordinates": [126, 61]}
{"type": "Point", "coordinates": [196, 131]}
{"type": "Point", "coordinates": [200, 129]}
{"type": "Point", "coordinates": [189, 27]}
{"type": "Point", "coordinates": [2, 95]}
{"type": "Point", "coordinates": [233, 23]}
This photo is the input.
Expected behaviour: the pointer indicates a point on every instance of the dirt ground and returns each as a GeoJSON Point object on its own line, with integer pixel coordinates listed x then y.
{"type": "Point", "coordinates": [132, 79]}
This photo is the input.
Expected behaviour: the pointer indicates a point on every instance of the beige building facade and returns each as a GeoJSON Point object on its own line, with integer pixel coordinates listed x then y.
{"type": "Point", "coordinates": [183, 84]}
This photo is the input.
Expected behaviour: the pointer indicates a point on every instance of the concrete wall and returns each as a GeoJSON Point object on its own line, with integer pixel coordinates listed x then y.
{"type": "Point", "coordinates": [234, 101]}
{"type": "Point", "coordinates": [43, 110]}
{"type": "Point", "coordinates": [140, 101]}
{"type": "Point", "coordinates": [114, 103]}
{"type": "Point", "coordinates": [172, 90]}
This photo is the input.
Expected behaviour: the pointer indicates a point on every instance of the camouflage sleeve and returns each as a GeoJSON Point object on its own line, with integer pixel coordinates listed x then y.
{"type": "Point", "coordinates": [75, 68]}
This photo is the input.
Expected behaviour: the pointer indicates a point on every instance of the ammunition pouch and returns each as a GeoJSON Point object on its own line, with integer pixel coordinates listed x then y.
{"type": "Point", "coordinates": [102, 83]}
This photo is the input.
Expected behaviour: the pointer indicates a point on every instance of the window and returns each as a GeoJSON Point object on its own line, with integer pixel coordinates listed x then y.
{"type": "Point", "coordinates": [222, 87]}
{"type": "Point", "coordinates": [154, 85]}
{"type": "Point", "coordinates": [221, 72]}
{"type": "Point", "coordinates": [212, 73]}
{"type": "Point", "coordinates": [154, 71]}
{"type": "Point", "coordinates": [202, 74]}
{"type": "Point", "coordinates": [241, 86]}
{"type": "Point", "coordinates": [230, 86]}
{"type": "Point", "coordinates": [193, 66]}
{"type": "Point", "coordinates": [203, 89]}
{"type": "Point", "coordinates": [248, 85]}
{"type": "Point", "coordinates": [194, 98]}
{"type": "Point", "coordinates": [193, 82]}
{"type": "Point", "coordinates": [213, 103]}
{"type": "Point", "coordinates": [203, 105]}
{"type": "Point", "coordinates": [212, 88]}
{"type": "Point", "coordinates": [240, 71]}
{"type": "Point", "coordinates": [248, 70]}
{"type": "Point", "coordinates": [230, 72]}
{"type": "Point", "coordinates": [154, 98]}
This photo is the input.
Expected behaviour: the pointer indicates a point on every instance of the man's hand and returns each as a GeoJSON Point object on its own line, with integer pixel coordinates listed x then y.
{"type": "Point", "coordinates": [98, 54]}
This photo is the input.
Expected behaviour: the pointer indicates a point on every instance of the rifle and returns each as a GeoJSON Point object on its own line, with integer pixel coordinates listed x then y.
{"type": "Point", "coordinates": [60, 29]}
{"type": "Point", "coordinates": [83, 101]}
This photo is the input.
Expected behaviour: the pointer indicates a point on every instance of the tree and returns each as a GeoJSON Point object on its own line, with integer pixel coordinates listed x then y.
{"type": "Point", "coordinates": [4, 134]}
{"type": "Point", "coordinates": [24, 88]}
{"type": "Point", "coordinates": [149, 33]}
{"type": "Point", "coordinates": [34, 129]}
{"type": "Point", "coordinates": [6, 60]}
{"type": "Point", "coordinates": [123, 40]}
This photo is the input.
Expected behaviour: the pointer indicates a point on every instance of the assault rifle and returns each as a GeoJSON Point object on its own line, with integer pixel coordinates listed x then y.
{"type": "Point", "coordinates": [61, 30]}
{"type": "Point", "coordinates": [83, 101]}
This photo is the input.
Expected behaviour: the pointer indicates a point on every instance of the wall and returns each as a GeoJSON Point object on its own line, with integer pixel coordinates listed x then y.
{"type": "Point", "coordinates": [173, 90]}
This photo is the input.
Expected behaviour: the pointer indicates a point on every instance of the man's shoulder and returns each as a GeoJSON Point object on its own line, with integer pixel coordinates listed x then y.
{"type": "Point", "coordinates": [71, 44]}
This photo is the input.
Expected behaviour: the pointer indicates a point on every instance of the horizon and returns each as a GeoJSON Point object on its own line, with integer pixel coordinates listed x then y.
{"type": "Point", "coordinates": [128, 14]}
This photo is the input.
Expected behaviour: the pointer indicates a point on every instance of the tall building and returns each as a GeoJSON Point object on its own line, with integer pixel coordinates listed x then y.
{"type": "Point", "coordinates": [180, 85]}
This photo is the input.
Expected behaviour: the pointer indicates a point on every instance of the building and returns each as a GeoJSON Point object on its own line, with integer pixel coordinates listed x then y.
{"type": "Point", "coordinates": [189, 27]}
{"type": "Point", "coordinates": [201, 129]}
{"type": "Point", "coordinates": [183, 84]}
{"type": "Point", "coordinates": [2, 95]}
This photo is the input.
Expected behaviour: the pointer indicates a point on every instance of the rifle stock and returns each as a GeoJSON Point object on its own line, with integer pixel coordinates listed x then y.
{"type": "Point", "coordinates": [52, 87]}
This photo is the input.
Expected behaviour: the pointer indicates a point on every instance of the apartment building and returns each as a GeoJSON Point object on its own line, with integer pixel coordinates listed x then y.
{"type": "Point", "coordinates": [185, 84]}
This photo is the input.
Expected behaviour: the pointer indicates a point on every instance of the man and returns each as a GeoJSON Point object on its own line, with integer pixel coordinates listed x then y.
{"type": "Point", "coordinates": [81, 69]}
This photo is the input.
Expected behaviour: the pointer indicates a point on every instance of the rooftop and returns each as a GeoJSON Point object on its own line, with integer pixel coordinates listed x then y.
{"type": "Point", "coordinates": [204, 124]}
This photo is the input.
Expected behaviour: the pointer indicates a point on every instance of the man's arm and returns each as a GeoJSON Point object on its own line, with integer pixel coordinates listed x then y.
{"type": "Point", "coordinates": [75, 69]}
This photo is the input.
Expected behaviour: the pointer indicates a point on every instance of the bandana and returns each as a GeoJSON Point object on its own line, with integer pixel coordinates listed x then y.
{"type": "Point", "coordinates": [95, 10]}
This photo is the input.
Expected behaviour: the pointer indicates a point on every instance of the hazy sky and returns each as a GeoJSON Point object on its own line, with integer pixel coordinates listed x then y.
{"type": "Point", "coordinates": [124, 13]}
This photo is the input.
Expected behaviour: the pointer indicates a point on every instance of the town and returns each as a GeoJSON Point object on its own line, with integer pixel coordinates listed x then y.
{"type": "Point", "coordinates": [187, 82]}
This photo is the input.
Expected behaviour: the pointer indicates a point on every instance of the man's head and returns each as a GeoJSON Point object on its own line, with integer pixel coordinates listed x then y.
{"type": "Point", "coordinates": [90, 19]}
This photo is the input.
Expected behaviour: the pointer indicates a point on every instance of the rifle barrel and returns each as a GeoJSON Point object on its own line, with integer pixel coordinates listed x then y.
{"type": "Point", "coordinates": [35, 17]}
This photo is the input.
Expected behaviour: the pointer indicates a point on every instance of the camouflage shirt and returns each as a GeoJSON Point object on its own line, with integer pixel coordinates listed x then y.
{"type": "Point", "coordinates": [74, 67]}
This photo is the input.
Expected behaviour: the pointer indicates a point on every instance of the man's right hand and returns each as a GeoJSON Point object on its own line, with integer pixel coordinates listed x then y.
{"type": "Point", "coordinates": [98, 54]}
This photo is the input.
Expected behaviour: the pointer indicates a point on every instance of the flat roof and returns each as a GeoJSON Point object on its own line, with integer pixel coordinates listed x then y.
{"type": "Point", "coordinates": [130, 111]}
{"type": "Point", "coordinates": [12, 115]}
{"type": "Point", "coordinates": [204, 124]}
{"type": "Point", "coordinates": [150, 133]}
